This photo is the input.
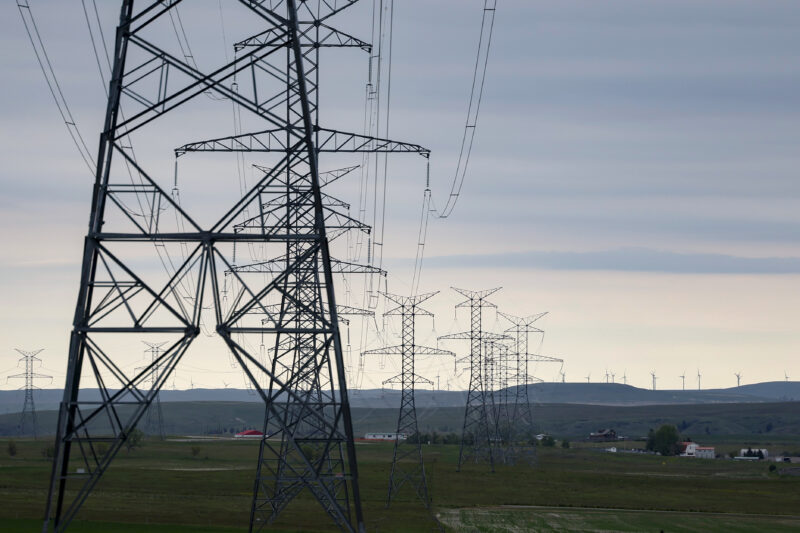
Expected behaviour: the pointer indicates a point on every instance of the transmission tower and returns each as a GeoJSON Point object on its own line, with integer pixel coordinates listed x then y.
{"type": "Point", "coordinates": [28, 407]}
{"type": "Point", "coordinates": [154, 418]}
{"type": "Point", "coordinates": [476, 437]}
{"type": "Point", "coordinates": [308, 445]}
{"type": "Point", "coordinates": [520, 330]}
{"type": "Point", "coordinates": [407, 463]}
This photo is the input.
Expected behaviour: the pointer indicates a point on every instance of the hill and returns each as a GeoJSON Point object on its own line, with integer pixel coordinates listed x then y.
{"type": "Point", "coordinates": [569, 393]}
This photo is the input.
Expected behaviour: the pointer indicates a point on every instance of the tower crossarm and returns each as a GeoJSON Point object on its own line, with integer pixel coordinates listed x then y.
{"type": "Point", "coordinates": [467, 335]}
{"type": "Point", "coordinates": [398, 380]}
{"type": "Point", "coordinates": [279, 265]}
{"type": "Point", "coordinates": [326, 38]}
{"type": "Point", "coordinates": [274, 140]}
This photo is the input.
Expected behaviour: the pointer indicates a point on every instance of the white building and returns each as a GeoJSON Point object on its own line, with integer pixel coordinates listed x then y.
{"type": "Point", "coordinates": [753, 452]}
{"type": "Point", "coordinates": [385, 436]}
{"type": "Point", "coordinates": [705, 452]}
{"type": "Point", "coordinates": [688, 449]}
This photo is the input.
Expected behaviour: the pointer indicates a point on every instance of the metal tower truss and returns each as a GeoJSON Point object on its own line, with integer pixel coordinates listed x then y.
{"type": "Point", "coordinates": [521, 328]}
{"type": "Point", "coordinates": [154, 417]}
{"type": "Point", "coordinates": [150, 269]}
{"type": "Point", "coordinates": [29, 406]}
{"type": "Point", "coordinates": [476, 435]}
{"type": "Point", "coordinates": [407, 464]}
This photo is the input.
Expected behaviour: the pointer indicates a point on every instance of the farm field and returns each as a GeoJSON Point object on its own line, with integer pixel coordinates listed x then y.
{"type": "Point", "coordinates": [206, 486]}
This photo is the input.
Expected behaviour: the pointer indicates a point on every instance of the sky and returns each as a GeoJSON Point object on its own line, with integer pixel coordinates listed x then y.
{"type": "Point", "coordinates": [634, 174]}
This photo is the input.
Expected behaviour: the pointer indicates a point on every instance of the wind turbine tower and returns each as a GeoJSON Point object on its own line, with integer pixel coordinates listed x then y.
{"type": "Point", "coordinates": [654, 379]}
{"type": "Point", "coordinates": [698, 379]}
{"type": "Point", "coordinates": [738, 379]}
{"type": "Point", "coordinates": [588, 378]}
{"type": "Point", "coordinates": [683, 380]}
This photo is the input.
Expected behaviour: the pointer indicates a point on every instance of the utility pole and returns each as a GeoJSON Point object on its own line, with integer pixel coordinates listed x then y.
{"type": "Point", "coordinates": [476, 442]}
{"type": "Point", "coordinates": [407, 463]}
{"type": "Point", "coordinates": [308, 448]}
{"type": "Point", "coordinates": [28, 406]}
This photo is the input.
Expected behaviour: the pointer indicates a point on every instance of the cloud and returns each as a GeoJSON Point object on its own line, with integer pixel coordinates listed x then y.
{"type": "Point", "coordinates": [624, 259]}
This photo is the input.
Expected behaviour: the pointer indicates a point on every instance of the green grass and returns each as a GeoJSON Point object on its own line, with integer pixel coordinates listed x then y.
{"type": "Point", "coordinates": [163, 483]}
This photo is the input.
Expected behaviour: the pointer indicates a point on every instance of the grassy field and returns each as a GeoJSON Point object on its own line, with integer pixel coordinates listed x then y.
{"type": "Point", "coordinates": [163, 483]}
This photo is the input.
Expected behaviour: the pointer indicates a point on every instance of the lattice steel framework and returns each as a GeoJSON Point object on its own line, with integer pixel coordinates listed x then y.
{"type": "Point", "coordinates": [154, 417]}
{"type": "Point", "coordinates": [30, 375]}
{"type": "Point", "coordinates": [309, 445]}
{"type": "Point", "coordinates": [520, 330]}
{"type": "Point", "coordinates": [407, 463]}
{"type": "Point", "coordinates": [476, 435]}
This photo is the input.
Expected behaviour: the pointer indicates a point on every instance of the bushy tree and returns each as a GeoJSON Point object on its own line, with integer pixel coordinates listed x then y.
{"type": "Point", "coordinates": [548, 441]}
{"type": "Point", "coordinates": [664, 440]}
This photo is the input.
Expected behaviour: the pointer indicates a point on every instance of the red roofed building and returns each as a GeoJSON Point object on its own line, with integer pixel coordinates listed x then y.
{"type": "Point", "coordinates": [249, 434]}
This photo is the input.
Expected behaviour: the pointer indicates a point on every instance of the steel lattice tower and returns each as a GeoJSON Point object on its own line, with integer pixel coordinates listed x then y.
{"type": "Point", "coordinates": [407, 464]}
{"type": "Point", "coordinates": [28, 406]}
{"type": "Point", "coordinates": [476, 427]}
{"type": "Point", "coordinates": [304, 389]}
{"type": "Point", "coordinates": [154, 418]}
{"type": "Point", "coordinates": [521, 328]}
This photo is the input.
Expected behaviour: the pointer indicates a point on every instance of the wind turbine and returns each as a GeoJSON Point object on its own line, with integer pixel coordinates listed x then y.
{"type": "Point", "coordinates": [785, 375]}
{"type": "Point", "coordinates": [606, 375]}
{"type": "Point", "coordinates": [588, 377]}
{"type": "Point", "coordinates": [613, 376]}
{"type": "Point", "coordinates": [698, 379]}
{"type": "Point", "coordinates": [563, 376]}
{"type": "Point", "coordinates": [625, 377]}
{"type": "Point", "coordinates": [653, 373]}
{"type": "Point", "coordinates": [738, 379]}
{"type": "Point", "coordinates": [226, 384]}
{"type": "Point", "coordinates": [683, 380]}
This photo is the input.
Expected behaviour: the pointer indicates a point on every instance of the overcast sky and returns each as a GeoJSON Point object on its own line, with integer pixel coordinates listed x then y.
{"type": "Point", "coordinates": [634, 173]}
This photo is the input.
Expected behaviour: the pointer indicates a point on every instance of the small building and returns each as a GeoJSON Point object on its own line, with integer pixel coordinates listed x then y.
{"type": "Point", "coordinates": [757, 453]}
{"type": "Point", "coordinates": [603, 435]}
{"type": "Point", "coordinates": [385, 436]}
{"type": "Point", "coordinates": [705, 452]}
{"type": "Point", "coordinates": [687, 449]}
{"type": "Point", "coordinates": [248, 434]}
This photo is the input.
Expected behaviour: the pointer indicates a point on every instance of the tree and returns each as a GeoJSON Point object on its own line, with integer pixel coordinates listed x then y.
{"type": "Point", "coordinates": [134, 439]}
{"type": "Point", "coordinates": [664, 440]}
{"type": "Point", "coordinates": [12, 447]}
{"type": "Point", "coordinates": [548, 441]}
{"type": "Point", "coordinates": [565, 443]}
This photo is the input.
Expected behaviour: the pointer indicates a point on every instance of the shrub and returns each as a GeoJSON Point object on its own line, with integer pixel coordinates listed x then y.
{"type": "Point", "coordinates": [48, 451]}
{"type": "Point", "coordinates": [565, 443]}
{"type": "Point", "coordinates": [134, 439]}
{"type": "Point", "coordinates": [12, 447]}
{"type": "Point", "coordinates": [195, 451]}
{"type": "Point", "coordinates": [772, 468]}
{"type": "Point", "coordinates": [548, 441]}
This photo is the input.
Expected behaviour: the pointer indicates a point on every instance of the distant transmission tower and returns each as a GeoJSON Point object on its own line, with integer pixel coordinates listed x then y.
{"type": "Point", "coordinates": [476, 436]}
{"type": "Point", "coordinates": [28, 407]}
{"type": "Point", "coordinates": [308, 448]}
{"type": "Point", "coordinates": [154, 418]}
{"type": "Point", "coordinates": [520, 330]}
{"type": "Point", "coordinates": [407, 464]}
